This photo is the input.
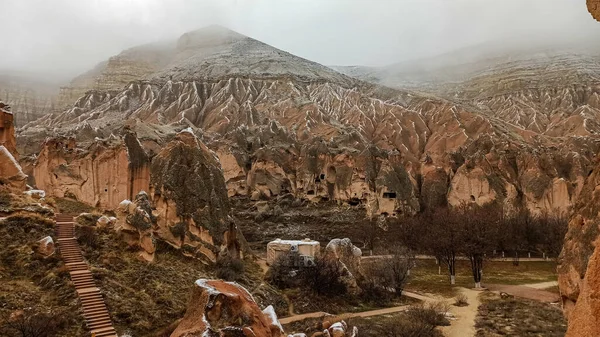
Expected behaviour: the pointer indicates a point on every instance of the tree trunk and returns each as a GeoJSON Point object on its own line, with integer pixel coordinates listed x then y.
{"type": "Point", "coordinates": [452, 268]}
{"type": "Point", "coordinates": [476, 268]}
{"type": "Point", "coordinates": [516, 258]}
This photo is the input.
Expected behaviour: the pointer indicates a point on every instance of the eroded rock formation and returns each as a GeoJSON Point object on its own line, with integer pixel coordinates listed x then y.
{"type": "Point", "coordinates": [226, 309]}
{"type": "Point", "coordinates": [219, 308]}
{"type": "Point", "coordinates": [578, 269]}
{"type": "Point", "coordinates": [7, 130]}
{"type": "Point", "coordinates": [281, 124]}
{"type": "Point", "coordinates": [11, 174]}
{"type": "Point", "coordinates": [104, 174]}
{"type": "Point", "coordinates": [136, 224]}
{"type": "Point", "coordinates": [190, 197]}
{"type": "Point", "coordinates": [347, 256]}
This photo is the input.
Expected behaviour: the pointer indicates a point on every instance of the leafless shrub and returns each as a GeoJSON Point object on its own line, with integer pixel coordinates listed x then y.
{"type": "Point", "coordinates": [461, 300]}
{"type": "Point", "coordinates": [230, 269]}
{"type": "Point", "coordinates": [33, 324]}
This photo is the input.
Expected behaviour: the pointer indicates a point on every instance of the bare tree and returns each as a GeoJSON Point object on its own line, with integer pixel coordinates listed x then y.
{"type": "Point", "coordinates": [442, 238]}
{"type": "Point", "coordinates": [479, 232]}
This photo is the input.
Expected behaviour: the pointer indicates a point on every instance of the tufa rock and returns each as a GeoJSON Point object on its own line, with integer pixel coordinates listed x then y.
{"type": "Point", "coordinates": [348, 256]}
{"type": "Point", "coordinates": [579, 265]}
{"type": "Point", "coordinates": [222, 308]}
{"type": "Point", "coordinates": [103, 174]}
{"type": "Point", "coordinates": [584, 319]}
{"type": "Point", "coordinates": [7, 130]}
{"type": "Point", "coordinates": [11, 173]}
{"type": "Point", "coordinates": [135, 224]}
{"type": "Point", "coordinates": [191, 199]}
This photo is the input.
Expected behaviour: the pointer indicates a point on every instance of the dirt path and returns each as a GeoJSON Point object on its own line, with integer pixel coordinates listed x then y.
{"type": "Point", "coordinates": [464, 324]}
{"type": "Point", "coordinates": [527, 292]}
{"type": "Point", "coordinates": [378, 312]}
{"type": "Point", "coordinates": [542, 285]}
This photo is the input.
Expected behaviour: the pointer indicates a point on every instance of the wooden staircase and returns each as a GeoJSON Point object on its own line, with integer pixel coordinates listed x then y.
{"type": "Point", "coordinates": [95, 312]}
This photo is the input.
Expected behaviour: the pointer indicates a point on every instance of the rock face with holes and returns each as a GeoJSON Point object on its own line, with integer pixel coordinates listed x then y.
{"type": "Point", "coordinates": [226, 309]}
{"type": "Point", "coordinates": [103, 174]}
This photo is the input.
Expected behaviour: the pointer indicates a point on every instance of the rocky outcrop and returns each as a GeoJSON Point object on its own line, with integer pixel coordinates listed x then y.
{"type": "Point", "coordinates": [584, 319]}
{"type": "Point", "coordinates": [104, 174]}
{"type": "Point", "coordinates": [136, 225]}
{"type": "Point", "coordinates": [347, 256]}
{"type": "Point", "coordinates": [190, 196]}
{"type": "Point", "coordinates": [578, 262]}
{"type": "Point", "coordinates": [11, 174]}
{"type": "Point", "coordinates": [219, 308]}
{"type": "Point", "coordinates": [226, 309]}
{"type": "Point", "coordinates": [340, 329]}
{"type": "Point", "coordinates": [7, 130]}
{"type": "Point", "coordinates": [594, 8]}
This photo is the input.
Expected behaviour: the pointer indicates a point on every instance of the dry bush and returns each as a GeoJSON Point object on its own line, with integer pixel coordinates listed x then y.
{"type": "Point", "coordinates": [230, 269]}
{"type": "Point", "coordinates": [461, 300]}
{"type": "Point", "coordinates": [87, 236]}
{"type": "Point", "coordinates": [34, 324]}
{"type": "Point", "coordinates": [72, 206]}
{"type": "Point", "coordinates": [433, 314]}
{"type": "Point", "coordinates": [324, 278]}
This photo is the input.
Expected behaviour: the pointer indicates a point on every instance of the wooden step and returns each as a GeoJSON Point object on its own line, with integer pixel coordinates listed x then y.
{"type": "Point", "coordinates": [94, 308]}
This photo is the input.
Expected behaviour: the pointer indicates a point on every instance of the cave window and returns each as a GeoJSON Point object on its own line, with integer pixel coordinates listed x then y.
{"type": "Point", "coordinates": [106, 190]}
{"type": "Point", "coordinates": [317, 180]}
{"type": "Point", "coordinates": [311, 192]}
{"type": "Point", "coordinates": [389, 195]}
{"type": "Point", "coordinates": [472, 198]}
{"type": "Point", "coordinates": [322, 176]}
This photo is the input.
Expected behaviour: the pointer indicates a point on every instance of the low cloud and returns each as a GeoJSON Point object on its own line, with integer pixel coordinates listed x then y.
{"type": "Point", "coordinates": [70, 36]}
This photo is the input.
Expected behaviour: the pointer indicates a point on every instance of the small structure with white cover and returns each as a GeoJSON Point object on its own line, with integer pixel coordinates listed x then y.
{"type": "Point", "coordinates": [296, 253]}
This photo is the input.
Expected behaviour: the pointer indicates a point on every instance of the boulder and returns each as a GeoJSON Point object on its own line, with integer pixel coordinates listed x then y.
{"type": "Point", "coordinates": [46, 246]}
{"type": "Point", "coordinates": [105, 221]}
{"type": "Point", "coordinates": [340, 329]}
{"type": "Point", "coordinates": [36, 194]}
{"type": "Point", "coordinates": [222, 308]}
{"type": "Point", "coordinates": [135, 224]}
{"type": "Point", "coordinates": [348, 257]}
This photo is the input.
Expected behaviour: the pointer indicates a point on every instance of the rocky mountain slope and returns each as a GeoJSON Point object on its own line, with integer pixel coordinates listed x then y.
{"type": "Point", "coordinates": [281, 124]}
{"type": "Point", "coordinates": [31, 96]}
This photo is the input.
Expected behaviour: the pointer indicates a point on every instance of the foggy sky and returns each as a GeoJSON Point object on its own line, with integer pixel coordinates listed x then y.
{"type": "Point", "coordinates": [71, 36]}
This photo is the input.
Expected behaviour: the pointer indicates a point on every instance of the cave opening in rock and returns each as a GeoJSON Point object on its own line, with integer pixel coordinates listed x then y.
{"type": "Point", "coordinates": [389, 195]}
{"type": "Point", "coordinates": [310, 192]}
{"type": "Point", "coordinates": [472, 198]}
